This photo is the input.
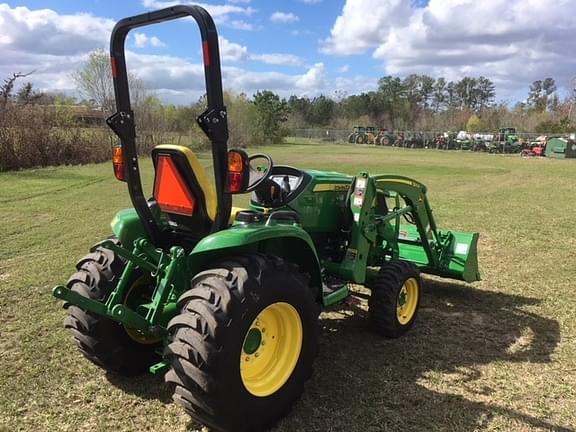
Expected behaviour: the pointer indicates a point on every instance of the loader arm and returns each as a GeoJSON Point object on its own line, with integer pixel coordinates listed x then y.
{"type": "Point", "coordinates": [445, 253]}
{"type": "Point", "coordinates": [407, 232]}
{"type": "Point", "coordinates": [414, 194]}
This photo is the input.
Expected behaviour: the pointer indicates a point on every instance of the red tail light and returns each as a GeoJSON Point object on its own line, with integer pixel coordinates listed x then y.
{"type": "Point", "coordinates": [235, 182]}
{"type": "Point", "coordinates": [170, 189]}
{"type": "Point", "coordinates": [118, 163]}
{"type": "Point", "coordinates": [237, 170]}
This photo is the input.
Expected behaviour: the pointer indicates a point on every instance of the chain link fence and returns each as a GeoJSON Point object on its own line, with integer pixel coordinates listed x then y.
{"type": "Point", "coordinates": [403, 138]}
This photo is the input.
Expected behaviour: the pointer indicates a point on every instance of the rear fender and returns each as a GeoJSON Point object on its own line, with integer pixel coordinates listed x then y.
{"type": "Point", "coordinates": [127, 227]}
{"type": "Point", "coordinates": [289, 242]}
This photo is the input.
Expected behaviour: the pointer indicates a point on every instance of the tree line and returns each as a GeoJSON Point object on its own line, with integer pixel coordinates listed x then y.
{"type": "Point", "coordinates": [415, 102]}
{"type": "Point", "coordinates": [421, 102]}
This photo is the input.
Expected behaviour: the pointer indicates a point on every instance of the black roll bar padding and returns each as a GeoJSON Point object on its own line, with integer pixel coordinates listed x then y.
{"type": "Point", "coordinates": [215, 99]}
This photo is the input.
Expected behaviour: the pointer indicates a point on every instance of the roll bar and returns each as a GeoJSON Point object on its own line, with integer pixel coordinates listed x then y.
{"type": "Point", "coordinates": [213, 121]}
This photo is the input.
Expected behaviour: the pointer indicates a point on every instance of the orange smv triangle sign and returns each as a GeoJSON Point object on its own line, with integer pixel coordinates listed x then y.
{"type": "Point", "coordinates": [170, 190]}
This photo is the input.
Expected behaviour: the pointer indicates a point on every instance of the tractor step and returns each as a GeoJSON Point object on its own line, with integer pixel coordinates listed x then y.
{"type": "Point", "coordinates": [334, 290]}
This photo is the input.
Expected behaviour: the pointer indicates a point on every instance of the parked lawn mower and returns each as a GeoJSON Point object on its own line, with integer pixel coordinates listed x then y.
{"type": "Point", "coordinates": [535, 150]}
{"type": "Point", "coordinates": [225, 301]}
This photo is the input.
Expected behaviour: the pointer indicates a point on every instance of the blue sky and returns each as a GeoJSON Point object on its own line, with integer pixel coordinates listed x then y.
{"type": "Point", "coordinates": [253, 29]}
{"type": "Point", "coordinates": [303, 47]}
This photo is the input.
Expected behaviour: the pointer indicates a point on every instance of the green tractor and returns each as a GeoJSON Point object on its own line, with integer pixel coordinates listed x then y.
{"type": "Point", "coordinates": [385, 137]}
{"type": "Point", "coordinates": [363, 135]}
{"type": "Point", "coordinates": [225, 301]}
{"type": "Point", "coordinates": [505, 141]}
{"type": "Point", "coordinates": [358, 135]}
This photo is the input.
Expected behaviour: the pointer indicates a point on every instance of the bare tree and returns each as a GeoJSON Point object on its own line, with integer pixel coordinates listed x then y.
{"type": "Point", "coordinates": [8, 86]}
{"type": "Point", "coordinates": [94, 81]}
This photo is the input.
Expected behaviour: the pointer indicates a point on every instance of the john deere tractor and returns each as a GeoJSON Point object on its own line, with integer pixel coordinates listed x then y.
{"type": "Point", "coordinates": [505, 141]}
{"type": "Point", "coordinates": [225, 301]}
{"type": "Point", "coordinates": [363, 135]}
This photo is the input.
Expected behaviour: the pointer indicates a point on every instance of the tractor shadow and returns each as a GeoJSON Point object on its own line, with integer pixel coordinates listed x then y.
{"type": "Point", "coordinates": [363, 382]}
{"type": "Point", "coordinates": [146, 386]}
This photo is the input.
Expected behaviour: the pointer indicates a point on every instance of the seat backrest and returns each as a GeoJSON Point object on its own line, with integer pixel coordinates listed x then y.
{"type": "Point", "coordinates": [191, 181]}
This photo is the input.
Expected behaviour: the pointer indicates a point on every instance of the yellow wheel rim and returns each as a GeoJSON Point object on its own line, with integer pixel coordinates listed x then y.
{"type": "Point", "coordinates": [135, 290]}
{"type": "Point", "coordinates": [271, 349]}
{"type": "Point", "coordinates": [407, 301]}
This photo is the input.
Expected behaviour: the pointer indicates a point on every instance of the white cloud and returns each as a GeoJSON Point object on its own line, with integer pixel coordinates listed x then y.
{"type": "Point", "coordinates": [278, 59]}
{"type": "Point", "coordinates": [283, 17]}
{"type": "Point", "coordinates": [313, 79]}
{"type": "Point", "coordinates": [222, 13]}
{"type": "Point", "coordinates": [230, 51]}
{"type": "Point", "coordinates": [217, 11]}
{"type": "Point", "coordinates": [141, 40]}
{"type": "Point", "coordinates": [304, 32]}
{"type": "Point", "coordinates": [511, 42]}
{"type": "Point", "coordinates": [181, 81]}
{"type": "Point", "coordinates": [364, 24]}
{"type": "Point", "coordinates": [233, 52]}
{"type": "Point", "coordinates": [344, 68]}
{"type": "Point", "coordinates": [45, 32]}
{"type": "Point", "coordinates": [54, 45]}
{"type": "Point", "coordinates": [241, 25]}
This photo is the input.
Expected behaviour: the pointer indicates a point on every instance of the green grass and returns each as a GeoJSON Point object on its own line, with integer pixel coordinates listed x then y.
{"type": "Point", "coordinates": [499, 355]}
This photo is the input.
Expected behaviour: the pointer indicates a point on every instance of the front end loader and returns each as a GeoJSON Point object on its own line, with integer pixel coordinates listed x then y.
{"type": "Point", "coordinates": [225, 301]}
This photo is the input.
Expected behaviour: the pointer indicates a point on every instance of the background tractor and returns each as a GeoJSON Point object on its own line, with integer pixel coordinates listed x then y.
{"type": "Point", "coordinates": [358, 135]}
{"type": "Point", "coordinates": [225, 301]}
{"type": "Point", "coordinates": [363, 135]}
{"type": "Point", "coordinates": [385, 137]}
{"type": "Point", "coordinates": [505, 141]}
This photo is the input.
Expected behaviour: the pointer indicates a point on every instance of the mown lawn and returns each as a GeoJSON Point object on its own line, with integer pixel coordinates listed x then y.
{"type": "Point", "coordinates": [496, 355]}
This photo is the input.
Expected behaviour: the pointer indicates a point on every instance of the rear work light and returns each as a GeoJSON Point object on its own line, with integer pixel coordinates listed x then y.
{"type": "Point", "coordinates": [237, 171]}
{"type": "Point", "coordinates": [118, 163]}
{"type": "Point", "coordinates": [170, 190]}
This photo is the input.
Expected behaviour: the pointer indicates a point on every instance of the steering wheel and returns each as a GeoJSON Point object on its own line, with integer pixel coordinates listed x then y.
{"type": "Point", "coordinates": [259, 173]}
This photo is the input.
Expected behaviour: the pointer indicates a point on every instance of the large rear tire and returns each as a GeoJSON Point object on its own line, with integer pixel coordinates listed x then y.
{"type": "Point", "coordinates": [244, 343]}
{"type": "Point", "coordinates": [395, 298]}
{"type": "Point", "coordinates": [105, 342]}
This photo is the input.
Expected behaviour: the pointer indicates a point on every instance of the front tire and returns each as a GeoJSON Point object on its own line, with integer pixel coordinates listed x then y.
{"type": "Point", "coordinates": [105, 342]}
{"type": "Point", "coordinates": [244, 343]}
{"type": "Point", "coordinates": [395, 298]}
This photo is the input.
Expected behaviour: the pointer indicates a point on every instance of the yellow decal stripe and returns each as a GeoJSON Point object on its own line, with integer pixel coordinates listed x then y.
{"type": "Point", "coordinates": [329, 187]}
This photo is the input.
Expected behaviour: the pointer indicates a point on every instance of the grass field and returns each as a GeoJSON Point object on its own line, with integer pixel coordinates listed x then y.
{"type": "Point", "coordinates": [498, 355]}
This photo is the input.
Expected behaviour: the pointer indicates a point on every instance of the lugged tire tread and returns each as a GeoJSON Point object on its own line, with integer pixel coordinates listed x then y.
{"type": "Point", "coordinates": [383, 298]}
{"type": "Point", "coordinates": [206, 310]}
{"type": "Point", "coordinates": [95, 278]}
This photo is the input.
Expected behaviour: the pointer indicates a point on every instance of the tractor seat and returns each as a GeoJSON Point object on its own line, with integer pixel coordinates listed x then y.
{"type": "Point", "coordinates": [183, 190]}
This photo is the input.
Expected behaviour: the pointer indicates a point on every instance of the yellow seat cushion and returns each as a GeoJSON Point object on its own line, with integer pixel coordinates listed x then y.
{"type": "Point", "coordinates": [205, 183]}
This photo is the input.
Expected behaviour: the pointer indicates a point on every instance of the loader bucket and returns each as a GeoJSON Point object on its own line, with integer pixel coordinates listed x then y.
{"type": "Point", "coordinates": [459, 260]}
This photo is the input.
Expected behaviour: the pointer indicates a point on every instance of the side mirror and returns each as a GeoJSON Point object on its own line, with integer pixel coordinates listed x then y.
{"type": "Point", "coordinates": [260, 166]}
{"type": "Point", "coordinates": [247, 173]}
